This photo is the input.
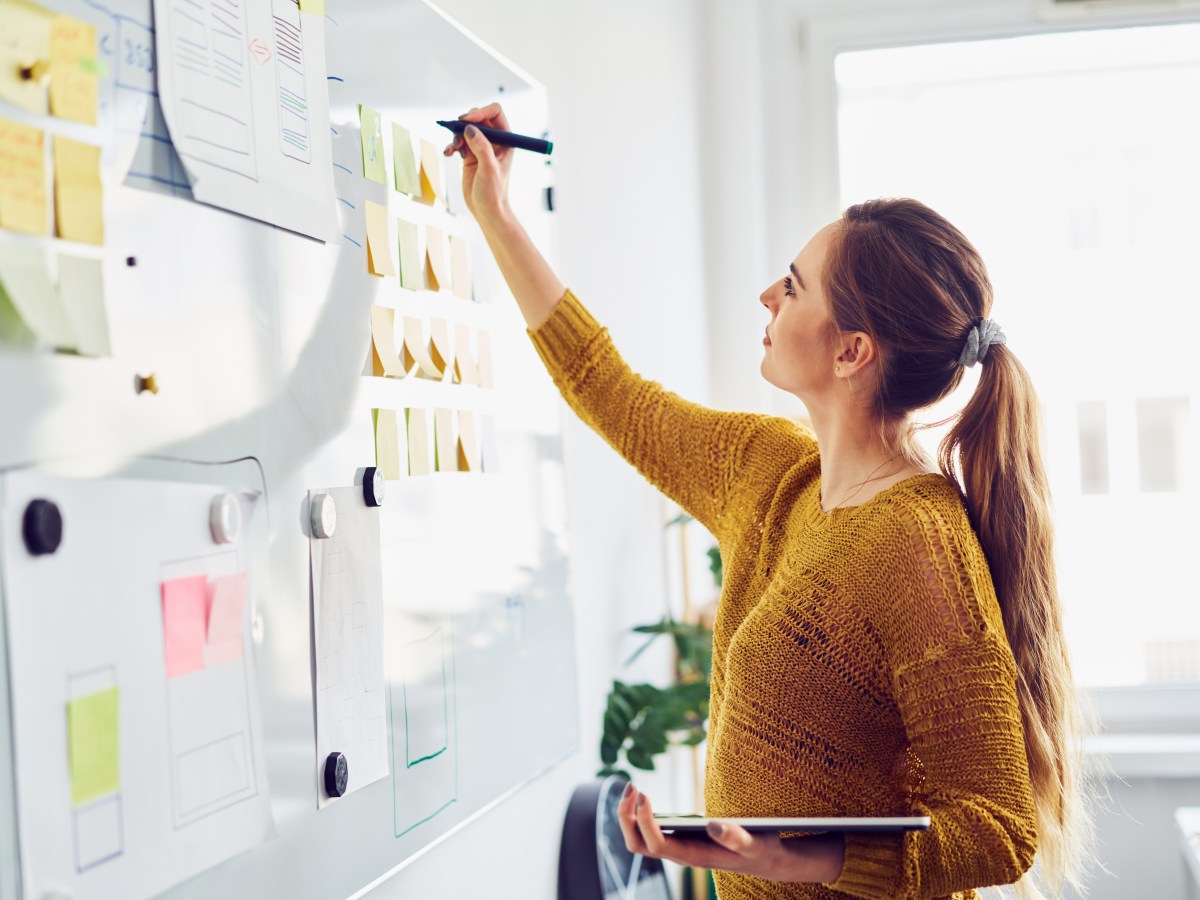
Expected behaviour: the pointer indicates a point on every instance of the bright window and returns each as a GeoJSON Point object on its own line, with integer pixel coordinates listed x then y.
{"type": "Point", "coordinates": [1072, 161]}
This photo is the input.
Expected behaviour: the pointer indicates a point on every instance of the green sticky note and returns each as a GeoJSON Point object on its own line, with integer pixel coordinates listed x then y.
{"type": "Point", "coordinates": [313, 6]}
{"type": "Point", "coordinates": [412, 266]}
{"type": "Point", "coordinates": [404, 161]}
{"type": "Point", "coordinates": [93, 739]}
{"type": "Point", "coordinates": [371, 126]}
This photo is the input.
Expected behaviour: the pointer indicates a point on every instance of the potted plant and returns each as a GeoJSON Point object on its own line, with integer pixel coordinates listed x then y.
{"type": "Point", "coordinates": [642, 721]}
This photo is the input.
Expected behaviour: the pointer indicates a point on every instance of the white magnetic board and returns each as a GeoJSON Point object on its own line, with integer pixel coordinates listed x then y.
{"type": "Point", "coordinates": [260, 341]}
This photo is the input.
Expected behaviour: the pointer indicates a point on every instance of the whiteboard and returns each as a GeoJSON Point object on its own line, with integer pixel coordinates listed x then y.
{"type": "Point", "coordinates": [259, 339]}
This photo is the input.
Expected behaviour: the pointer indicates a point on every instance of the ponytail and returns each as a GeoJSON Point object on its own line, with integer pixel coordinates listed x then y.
{"type": "Point", "coordinates": [993, 453]}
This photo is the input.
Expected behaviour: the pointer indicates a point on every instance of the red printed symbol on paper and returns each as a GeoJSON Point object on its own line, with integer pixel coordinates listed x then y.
{"type": "Point", "coordinates": [260, 51]}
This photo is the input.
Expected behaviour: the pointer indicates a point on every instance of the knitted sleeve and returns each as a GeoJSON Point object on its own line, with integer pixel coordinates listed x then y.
{"type": "Point", "coordinates": [954, 679]}
{"type": "Point", "coordinates": [689, 452]}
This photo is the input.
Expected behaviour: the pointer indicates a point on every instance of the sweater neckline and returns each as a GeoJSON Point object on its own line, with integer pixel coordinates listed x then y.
{"type": "Point", "coordinates": [819, 518]}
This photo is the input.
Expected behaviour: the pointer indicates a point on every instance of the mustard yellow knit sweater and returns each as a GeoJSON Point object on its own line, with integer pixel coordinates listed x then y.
{"type": "Point", "coordinates": [860, 665]}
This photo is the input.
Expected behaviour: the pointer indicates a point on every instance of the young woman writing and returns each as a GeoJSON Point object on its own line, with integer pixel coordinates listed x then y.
{"type": "Point", "coordinates": [888, 639]}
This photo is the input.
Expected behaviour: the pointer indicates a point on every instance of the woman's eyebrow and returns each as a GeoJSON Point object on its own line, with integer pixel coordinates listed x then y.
{"type": "Point", "coordinates": [803, 286]}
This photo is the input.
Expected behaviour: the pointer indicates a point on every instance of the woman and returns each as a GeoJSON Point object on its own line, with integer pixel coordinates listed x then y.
{"type": "Point", "coordinates": [886, 643]}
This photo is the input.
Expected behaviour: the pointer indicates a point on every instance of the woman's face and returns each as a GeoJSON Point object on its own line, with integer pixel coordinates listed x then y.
{"type": "Point", "coordinates": [799, 354]}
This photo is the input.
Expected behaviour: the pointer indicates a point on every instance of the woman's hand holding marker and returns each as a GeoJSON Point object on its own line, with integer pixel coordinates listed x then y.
{"type": "Point", "coordinates": [485, 166]}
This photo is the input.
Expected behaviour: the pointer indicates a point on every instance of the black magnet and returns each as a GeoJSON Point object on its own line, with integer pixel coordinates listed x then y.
{"type": "Point", "coordinates": [373, 486]}
{"type": "Point", "coordinates": [131, 261]}
{"type": "Point", "coordinates": [337, 774]}
{"type": "Point", "coordinates": [42, 527]}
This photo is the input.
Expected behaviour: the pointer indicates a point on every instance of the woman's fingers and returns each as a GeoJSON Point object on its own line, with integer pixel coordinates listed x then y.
{"type": "Point", "coordinates": [625, 817]}
{"type": "Point", "coordinates": [491, 115]}
{"type": "Point", "coordinates": [734, 837]}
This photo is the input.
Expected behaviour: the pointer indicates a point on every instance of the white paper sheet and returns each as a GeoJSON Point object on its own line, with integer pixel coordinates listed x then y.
{"type": "Point", "coordinates": [347, 605]}
{"type": "Point", "coordinates": [243, 89]}
{"type": "Point", "coordinates": [192, 787]}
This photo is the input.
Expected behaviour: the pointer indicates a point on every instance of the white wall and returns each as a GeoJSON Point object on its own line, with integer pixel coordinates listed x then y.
{"type": "Point", "coordinates": [625, 102]}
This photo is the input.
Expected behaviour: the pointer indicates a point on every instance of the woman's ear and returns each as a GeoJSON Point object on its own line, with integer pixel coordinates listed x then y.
{"type": "Point", "coordinates": [856, 353]}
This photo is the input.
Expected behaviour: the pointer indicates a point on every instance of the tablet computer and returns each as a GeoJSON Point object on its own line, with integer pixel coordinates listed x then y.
{"type": "Point", "coordinates": [698, 824]}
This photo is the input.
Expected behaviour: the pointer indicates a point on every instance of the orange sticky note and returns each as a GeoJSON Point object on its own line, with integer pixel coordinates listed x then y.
{"type": "Point", "coordinates": [431, 174]}
{"type": "Point", "coordinates": [22, 178]}
{"type": "Point", "coordinates": [460, 267]}
{"type": "Point", "coordinates": [416, 349]}
{"type": "Point", "coordinates": [418, 441]}
{"type": "Point", "coordinates": [465, 370]}
{"type": "Point", "coordinates": [185, 615]}
{"type": "Point", "coordinates": [226, 615]}
{"type": "Point", "coordinates": [383, 337]}
{"type": "Point", "coordinates": [436, 278]}
{"type": "Point", "coordinates": [74, 86]}
{"type": "Point", "coordinates": [445, 441]}
{"type": "Point", "coordinates": [439, 346]}
{"type": "Point", "coordinates": [78, 197]}
{"type": "Point", "coordinates": [468, 442]}
{"type": "Point", "coordinates": [484, 358]}
{"type": "Point", "coordinates": [379, 251]}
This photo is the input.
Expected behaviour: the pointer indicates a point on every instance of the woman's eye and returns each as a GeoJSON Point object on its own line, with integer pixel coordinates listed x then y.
{"type": "Point", "coordinates": [788, 289]}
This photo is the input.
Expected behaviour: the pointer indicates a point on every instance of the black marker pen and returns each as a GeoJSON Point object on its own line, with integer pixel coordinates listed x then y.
{"type": "Point", "coordinates": [500, 137]}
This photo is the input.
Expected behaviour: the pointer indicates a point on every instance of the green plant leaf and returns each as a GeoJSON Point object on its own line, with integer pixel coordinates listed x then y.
{"type": "Point", "coordinates": [681, 519]}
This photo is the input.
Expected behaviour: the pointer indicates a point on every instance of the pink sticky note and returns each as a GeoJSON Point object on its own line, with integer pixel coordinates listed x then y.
{"type": "Point", "coordinates": [184, 604]}
{"type": "Point", "coordinates": [227, 602]}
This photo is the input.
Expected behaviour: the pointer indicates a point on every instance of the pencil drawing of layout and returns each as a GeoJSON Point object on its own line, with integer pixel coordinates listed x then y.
{"type": "Point", "coordinates": [212, 101]}
{"type": "Point", "coordinates": [293, 98]}
{"type": "Point", "coordinates": [245, 96]}
{"type": "Point", "coordinates": [347, 597]}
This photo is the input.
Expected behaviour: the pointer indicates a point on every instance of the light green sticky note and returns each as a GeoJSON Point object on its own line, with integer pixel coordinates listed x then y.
{"type": "Point", "coordinates": [371, 126]}
{"type": "Point", "coordinates": [313, 6]}
{"type": "Point", "coordinates": [412, 267]}
{"type": "Point", "coordinates": [93, 739]}
{"type": "Point", "coordinates": [404, 161]}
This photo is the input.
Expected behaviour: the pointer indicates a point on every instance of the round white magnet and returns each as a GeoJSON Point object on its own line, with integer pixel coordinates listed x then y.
{"type": "Point", "coordinates": [225, 518]}
{"type": "Point", "coordinates": [324, 516]}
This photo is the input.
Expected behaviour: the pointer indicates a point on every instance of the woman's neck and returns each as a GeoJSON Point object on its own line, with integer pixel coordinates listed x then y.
{"type": "Point", "coordinates": [858, 460]}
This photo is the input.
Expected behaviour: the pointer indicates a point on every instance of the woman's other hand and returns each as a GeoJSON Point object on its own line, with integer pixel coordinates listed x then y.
{"type": "Point", "coordinates": [731, 847]}
{"type": "Point", "coordinates": [485, 167]}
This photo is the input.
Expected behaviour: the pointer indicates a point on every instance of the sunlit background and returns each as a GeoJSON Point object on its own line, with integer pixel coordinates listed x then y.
{"type": "Point", "coordinates": [1092, 139]}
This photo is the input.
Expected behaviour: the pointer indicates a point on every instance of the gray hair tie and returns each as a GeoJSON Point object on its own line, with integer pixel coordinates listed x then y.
{"type": "Point", "coordinates": [979, 339]}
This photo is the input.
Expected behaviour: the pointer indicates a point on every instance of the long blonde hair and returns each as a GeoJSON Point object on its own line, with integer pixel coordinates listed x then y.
{"type": "Point", "coordinates": [900, 272]}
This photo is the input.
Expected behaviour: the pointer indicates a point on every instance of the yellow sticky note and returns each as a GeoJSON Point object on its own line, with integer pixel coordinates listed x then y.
{"type": "Point", "coordinates": [416, 349]}
{"type": "Point", "coordinates": [93, 742]}
{"type": "Point", "coordinates": [445, 441]}
{"type": "Point", "coordinates": [412, 267]}
{"type": "Point", "coordinates": [404, 163]}
{"type": "Point", "coordinates": [74, 85]}
{"type": "Point", "coordinates": [468, 442]}
{"type": "Point", "coordinates": [383, 337]}
{"type": "Point", "coordinates": [313, 6]}
{"type": "Point", "coordinates": [22, 178]}
{"type": "Point", "coordinates": [431, 174]}
{"type": "Point", "coordinates": [379, 251]}
{"type": "Point", "coordinates": [418, 441]}
{"type": "Point", "coordinates": [81, 291]}
{"type": "Point", "coordinates": [460, 267]}
{"type": "Point", "coordinates": [465, 370]}
{"type": "Point", "coordinates": [387, 445]}
{"type": "Point", "coordinates": [25, 54]}
{"type": "Point", "coordinates": [484, 359]}
{"type": "Point", "coordinates": [435, 259]}
{"type": "Point", "coordinates": [371, 132]}
{"type": "Point", "coordinates": [439, 346]}
{"type": "Point", "coordinates": [26, 283]}
{"type": "Point", "coordinates": [78, 198]}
